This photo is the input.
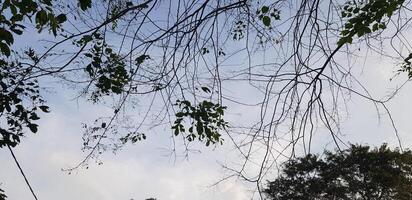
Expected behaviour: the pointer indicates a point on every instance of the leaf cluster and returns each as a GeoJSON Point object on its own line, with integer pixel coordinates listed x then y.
{"type": "Point", "coordinates": [238, 31]}
{"type": "Point", "coordinates": [206, 119]}
{"type": "Point", "coordinates": [20, 102]}
{"type": "Point", "coordinates": [407, 65]}
{"type": "Point", "coordinates": [133, 137]}
{"type": "Point", "coordinates": [365, 17]}
{"type": "Point", "coordinates": [107, 69]}
{"type": "Point", "coordinates": [267, 15]}
{"type": "Point", "coordinates": [13, 14]}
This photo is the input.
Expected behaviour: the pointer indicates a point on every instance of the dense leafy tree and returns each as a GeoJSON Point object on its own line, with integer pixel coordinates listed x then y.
{"type": "Point", "coordinates": [356, 173]}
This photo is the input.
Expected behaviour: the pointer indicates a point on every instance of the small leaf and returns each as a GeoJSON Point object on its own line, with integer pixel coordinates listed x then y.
{"type": "Point", "coordinates": [16, 138]}
{"type": "Point", "coordinates": [44, 108]}
{"type": "Point", "coordinates": [16, 31]}
{"type": "Point", "coordinates": [266, 20]}
{"type": "Point", "coordinates": [5, 49]}
{"type": "Point", "coordinates": [108, 50]}
{"type": "Point", "coordinates": [61, 18]}
{"type": "Point", "coordinates": [34, 116]}
{"type": "Point", "coordinates": [85, 4]}
{"type": "Point", "coordinates": [6, 36]}
{"type": "Point", "coordinates": [199, 128]}
{"type": "Point", "coordinates": [206, 89]}
{"type": "Point", "coordinates": [87, 38]}
{"type": "Point", "coordinates": [141, 59]}
{"type": "Point", "coordinates": [176, 131]}
{"type": "Point", "coordinates": [41, 17]}
{"type": "Point", "coordinates": [179, 114]}
{"type": "Point", "coordinates": [265, 9]}
{"type": "Point", "coordinates": [33, 128]}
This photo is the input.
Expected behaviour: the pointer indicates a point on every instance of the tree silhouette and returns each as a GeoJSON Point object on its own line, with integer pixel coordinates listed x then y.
{"type": "Point", "coordinates": [355, 173]}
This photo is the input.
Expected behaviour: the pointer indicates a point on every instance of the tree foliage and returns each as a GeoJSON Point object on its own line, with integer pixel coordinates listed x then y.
{"type": "Point", "coordinates": [206, 121]}
{"type": "Point", "coordinates": [356, 173]}
{"type": "Point", "coordinates": [20, 102]}
{"type": "Point", "coordinates": [15, 13]}
{"type": "Point", "coordinates": [365, 17]}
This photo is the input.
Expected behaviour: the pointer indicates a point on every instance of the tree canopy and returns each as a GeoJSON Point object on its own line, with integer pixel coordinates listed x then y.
{"type": "Point", "coordinates": [179, 63]}
{"type": "Point", "coordinates": [355, 173]}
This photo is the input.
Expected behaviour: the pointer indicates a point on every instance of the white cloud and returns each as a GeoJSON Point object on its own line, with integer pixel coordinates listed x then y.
{"type": "Point", "coordinates": [138, 172]}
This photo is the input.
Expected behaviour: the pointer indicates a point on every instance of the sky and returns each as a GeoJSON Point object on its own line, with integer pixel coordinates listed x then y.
{"type": "Point", "coordinates": [146, 169]}
{"type": "Point", "coordinates": [140, 171]}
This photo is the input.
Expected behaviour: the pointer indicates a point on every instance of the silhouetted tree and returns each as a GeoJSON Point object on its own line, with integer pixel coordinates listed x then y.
{"type": "Point", "coordinates": [355, 173]}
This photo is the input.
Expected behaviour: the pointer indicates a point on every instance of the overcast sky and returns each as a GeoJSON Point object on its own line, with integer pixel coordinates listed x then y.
{"type": "Point", "coordinates": [146, 169]}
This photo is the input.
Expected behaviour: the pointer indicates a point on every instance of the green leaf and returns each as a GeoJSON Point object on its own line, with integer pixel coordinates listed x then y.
{"type": "Point", "coordinates": [129, 4]}
{"type": "Point", "coordinates": [16, 31]}
{"type": "Point", "coordinates": [141, 59]}
{"type": "Point", "coordinates": [34, 116]}
{"type": "Point", "coordinates": [33, 128]}
{"type": "Point", "coordinates": [16, 17]}
{"type": "Point", "coordinates": [16, 138]}
{"type": "Point", "coordinates": [199, 128]}
{"type": "Point", "coordinates": [116, 90]}
{"type": "Point", "coordinates": [89, 55]}
{"type": "Point", "coordinates": [85, 4]}
{"type": "Point", "coordinates": [41, 17]}
{"type": "Point", "coordinates": [87, 38]}
{"type": "Point", "coordinates": [179, 114]}
{"type": "Point", "coordinates": [108, 50]}
{"type": "Point", "coordinates": [176, 131]}
{"type": "Point", "coordinates": [61, 18]}
{"type": "Point", "coordinates": [206, 89]}
{"type": "Point", "coordinates": [266, 20]}
{"type": "Point", "coordinates": [44, 108]}
{"type": "Point", "coordinates": [6, 36]}
{"type": "Point", "coordinates": [5, 49]}
{"type": "Point", "coordinates": [265, 9]}
{"type": "Point", "coordinates": [375, 27]}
